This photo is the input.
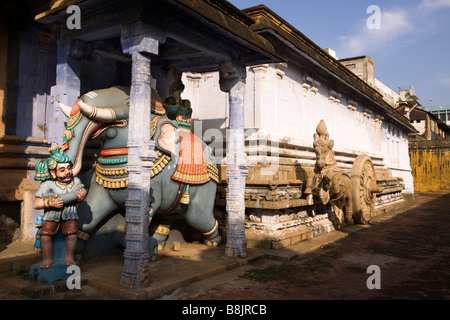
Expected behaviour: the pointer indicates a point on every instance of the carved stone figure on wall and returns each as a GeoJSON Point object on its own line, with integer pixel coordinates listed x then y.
{"type": "Point", "coordinates": [352, 197]}
{"type": "Point", "coordinates": [329, 184]}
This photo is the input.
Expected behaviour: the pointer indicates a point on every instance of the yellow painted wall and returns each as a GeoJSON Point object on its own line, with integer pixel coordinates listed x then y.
{"type": "Point", "coordinates": [430, 162]}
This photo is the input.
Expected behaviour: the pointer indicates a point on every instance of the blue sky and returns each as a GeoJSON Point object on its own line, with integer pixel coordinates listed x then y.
{"type": "Point", "coordinates": [411, 47]}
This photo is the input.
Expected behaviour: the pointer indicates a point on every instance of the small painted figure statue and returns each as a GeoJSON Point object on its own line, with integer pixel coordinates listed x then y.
{"type": "Point", "coordinates": [58, 194]}
{"type": "Point", "coordinates": [38, 225]}
{"type": "Point", "coordinates": [178, 110]}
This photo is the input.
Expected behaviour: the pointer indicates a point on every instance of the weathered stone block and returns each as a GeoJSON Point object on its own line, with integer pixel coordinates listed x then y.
{"type": "Point", "coordinates": [281, 244]}
{"type": "Point", "coordinates": [176, 246]}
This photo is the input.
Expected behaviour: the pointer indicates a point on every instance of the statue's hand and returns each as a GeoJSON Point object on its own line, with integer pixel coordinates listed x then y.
{"type": "Point", "coordinates": [81, 195]}
{"type": "Point", "coordinates": [55, 202]}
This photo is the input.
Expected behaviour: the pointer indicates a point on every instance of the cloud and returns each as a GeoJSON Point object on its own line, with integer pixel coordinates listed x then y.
{"type": "Point", "coordinates": [434, 4]}
{"type": "Point", "coordinates": [397, 29]}
{"type": "Point", "coordinates": [445, 81]}
{"type": "Point", "coordinates": [395, 24]}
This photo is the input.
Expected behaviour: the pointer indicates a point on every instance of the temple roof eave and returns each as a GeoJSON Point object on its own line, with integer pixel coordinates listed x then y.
{"type": "Point", "coordinates": [219, 15]}
{"type": "Point", "coordinates": [222, 18]}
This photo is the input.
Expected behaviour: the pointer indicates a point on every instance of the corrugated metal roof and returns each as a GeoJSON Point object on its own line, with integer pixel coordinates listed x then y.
{"type": "Point", "coordinates": [437, 108]}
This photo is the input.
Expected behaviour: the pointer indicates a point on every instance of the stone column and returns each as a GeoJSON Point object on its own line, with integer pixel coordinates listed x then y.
{"type": "Point", "coordinates": [138, 40]}
{"type": "Point", "coordinates": [67, 88]}
{"type": "Point", "coordinates": [259, 93]}
{"type": "Point", "coordinates": [232, 80]}
{"type": "Point", "coordinates": [44, 39]}
{"type": "Point", "coordinates": [193, 83]}
{"type": "Point", "coordinates": [68, 85]}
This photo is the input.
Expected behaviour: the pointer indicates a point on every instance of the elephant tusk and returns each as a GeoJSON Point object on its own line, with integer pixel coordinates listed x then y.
{"type": "Point", "coordinates": [100, 114]}
{"type": "Point", "coordinates": [65, 109]}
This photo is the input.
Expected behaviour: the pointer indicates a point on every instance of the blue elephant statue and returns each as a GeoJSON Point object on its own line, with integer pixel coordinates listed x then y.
{"type": "Point", "coordinates": [183, 180]}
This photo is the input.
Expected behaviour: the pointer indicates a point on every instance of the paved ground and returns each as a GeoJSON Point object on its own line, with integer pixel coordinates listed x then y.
{"type": "Point", "coordinates": [410, 246]}
{"type": "Point", "coordinates": [411, 249]}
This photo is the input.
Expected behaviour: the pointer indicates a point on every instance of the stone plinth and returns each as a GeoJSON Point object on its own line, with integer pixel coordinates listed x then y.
{"type": "Point", "coordinates": [58, 270]}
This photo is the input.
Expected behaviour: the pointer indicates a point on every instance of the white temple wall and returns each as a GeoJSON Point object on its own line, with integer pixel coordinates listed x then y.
{"type": "Point", "coordinates": [285, 105]}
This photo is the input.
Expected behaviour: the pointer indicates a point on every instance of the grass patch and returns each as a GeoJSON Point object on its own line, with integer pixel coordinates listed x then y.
{"type": "Point", "coordinates": [22, 273]}
{"type": "Point", "coordinates": [306, 272]}
{"type": "Point", "coordinates": [332, 253]}
{"type": "Point", "coordinates": [266, 274]}
{"type": "Point", "coordinates": [315, 264]}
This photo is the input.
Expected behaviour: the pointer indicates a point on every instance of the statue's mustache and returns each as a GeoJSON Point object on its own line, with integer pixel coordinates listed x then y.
{"type": "Point", "coordinates": [68, 175]}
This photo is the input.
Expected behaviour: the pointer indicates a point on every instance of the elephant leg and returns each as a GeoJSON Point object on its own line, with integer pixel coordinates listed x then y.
{"type": "Point", "coordinates": [213, 237]}
{"type": "Point", "coordinates": [95, 208]}
{"type": "Point", "coordinates": [153, 248]}
{"type": "Point", "coordinates": [200, 215]}
{"type": "Point", "coordinates": [160, 229]}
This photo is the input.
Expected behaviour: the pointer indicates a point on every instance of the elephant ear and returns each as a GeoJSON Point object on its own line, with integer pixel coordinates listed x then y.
{"type": "Point", "coordinates": [167, 140]}
{"type": "Point", "coordinates": [165, 135]}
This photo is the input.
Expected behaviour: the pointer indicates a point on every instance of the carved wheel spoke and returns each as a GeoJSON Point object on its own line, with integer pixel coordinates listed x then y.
{"type": "Point", "coordinates": [363, 179]}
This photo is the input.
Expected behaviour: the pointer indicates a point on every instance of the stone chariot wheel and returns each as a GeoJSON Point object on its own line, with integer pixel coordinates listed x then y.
{"type": "Point", "coordinates": [364, 187]}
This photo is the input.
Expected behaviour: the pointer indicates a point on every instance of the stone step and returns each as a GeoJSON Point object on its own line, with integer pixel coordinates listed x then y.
{"type": "Point", "coordinates": [32, 289]}
{"type": "Point", "coordinates": [12, 265]}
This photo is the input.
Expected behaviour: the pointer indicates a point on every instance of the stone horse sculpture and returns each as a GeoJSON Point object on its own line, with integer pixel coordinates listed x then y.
{"type": "Point", "coordinates": [352, 197]}
{"type": "Point", "coordinates": [103, 115]}
{"type": "Point", "coordinates": [330, 184]}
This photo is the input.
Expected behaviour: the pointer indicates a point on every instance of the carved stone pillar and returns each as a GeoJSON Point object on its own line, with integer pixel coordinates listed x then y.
{"type": "Point", "coordinates": [194, 86]}
{"type": "Point", "coordinates": [139, 41]}
{"type": "Point", "coordinates": [44, 39]}
{"type": "Point", "coordinates": [232, 80]}
{"type": "Point", "coordinates": [259, 93]}
{"type": "Point", "coordinates": [67, 88]}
